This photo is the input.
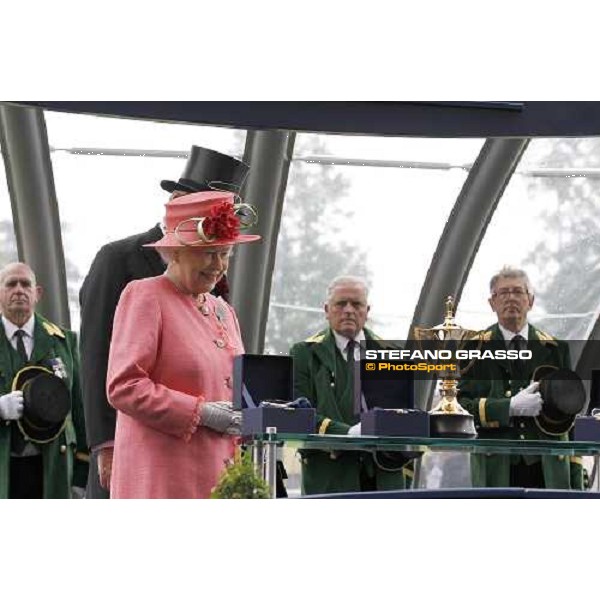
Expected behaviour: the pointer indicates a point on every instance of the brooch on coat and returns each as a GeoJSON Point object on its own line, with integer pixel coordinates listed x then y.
{"type": "Point", "coordinates": [58, 367]}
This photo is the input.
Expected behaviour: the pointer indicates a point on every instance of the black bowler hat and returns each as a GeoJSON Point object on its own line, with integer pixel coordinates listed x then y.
{"type": "Point", "coordinates": [563, 394]}
{"type": "Point", "coordinates": [209, 170]}
{"type": "Point", "coordinates": [46, 403]}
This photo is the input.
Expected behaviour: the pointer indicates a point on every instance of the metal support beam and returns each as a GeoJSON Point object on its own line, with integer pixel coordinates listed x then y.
{"type": "Point", "coordinates": [269, 154]}
{"type": "Point", "coordinates": [466, 226]}
{"type": "Point", "coordinates": [35, 210]}
{"type": "Point", "coordinates": [413, 119]}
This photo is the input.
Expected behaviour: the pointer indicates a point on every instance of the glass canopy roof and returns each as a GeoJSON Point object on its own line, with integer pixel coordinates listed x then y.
{"type": "Point", "coordinates": [373, 206]}
{"type": "Point", "coordinates": [8, 243]}
{"type": "Point", "coordinates": [107, 173]}
{"type": "Point", "coordinates": [546, 223]}
{"type": "Point", "coordinates": [370, 219]}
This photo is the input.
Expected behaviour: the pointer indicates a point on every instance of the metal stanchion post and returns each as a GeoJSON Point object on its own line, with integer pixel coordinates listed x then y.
{"type": "Point", "coordinates": [271, 460]}
{"type": "Point", "coordinates": [257, 457]}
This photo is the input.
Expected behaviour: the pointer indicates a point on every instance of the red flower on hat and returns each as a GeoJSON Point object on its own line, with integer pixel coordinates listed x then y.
{"type": "Point", "coordinates": [222, 223]}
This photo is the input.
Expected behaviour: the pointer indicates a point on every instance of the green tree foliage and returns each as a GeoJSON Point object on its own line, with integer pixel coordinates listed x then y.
{"type": "Point", "coordinates": [311, 251]}
{"type": "Point", "coordinates": [568, 255]}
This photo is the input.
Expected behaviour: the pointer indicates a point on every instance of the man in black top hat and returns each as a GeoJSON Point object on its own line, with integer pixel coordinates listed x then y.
{"type": "Point", "coordinates": [42, 435]}
{"type": "Point", "coordinates": [115, 265]}
{"type": "Point", "coordinates": [506, 401]}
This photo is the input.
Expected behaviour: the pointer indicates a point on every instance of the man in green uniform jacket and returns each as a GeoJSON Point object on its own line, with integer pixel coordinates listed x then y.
{"type": "Point", "coordinates": [29, 469]}
{"type": "Point", "coordinates": [504, 402]}
{"type": "Point", "coordinates": [321, 374]}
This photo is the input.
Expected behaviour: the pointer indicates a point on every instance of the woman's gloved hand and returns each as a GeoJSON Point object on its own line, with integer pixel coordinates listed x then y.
{"type": "Point", "coordinates": [220, 416]}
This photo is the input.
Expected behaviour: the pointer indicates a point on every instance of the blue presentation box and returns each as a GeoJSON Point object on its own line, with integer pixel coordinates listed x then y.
{"type": "Point", "coordinates": [287, 420]}
{"type": "Point", "coordinates": [261, 378]}
{"type": "Point", "coordinates": [371, 390]}
{"type": "Point", "coordinates": [392, 423]}
{"type": "Point", "coordinates": [258, 377]}
{"type": "Point", "coordinates": [587, 429]}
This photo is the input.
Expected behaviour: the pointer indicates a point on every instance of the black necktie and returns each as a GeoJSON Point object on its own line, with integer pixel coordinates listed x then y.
{"type": "Point", "coordinates": [350, 346]}
{"type": "Point", "coordinates": [350, 356]}
{"type": "Point", "coordinates": [17, 441]}
{"type": "Point", "coordinates": [351, 362]}
{"type": "Point", "coordinates": [518, 343]}
{"type": "Point", "coordinates": [21, 345]}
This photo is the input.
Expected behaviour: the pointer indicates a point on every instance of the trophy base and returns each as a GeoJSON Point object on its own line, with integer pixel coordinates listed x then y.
{"type": "Point", "coordinates": [452, 425]}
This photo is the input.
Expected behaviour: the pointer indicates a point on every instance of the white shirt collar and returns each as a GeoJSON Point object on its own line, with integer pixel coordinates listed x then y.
{"type": "Point", "coordinates": [509, 335]}
{"type": "Point", "coordinates": [10, 327]}
{"type": "Point", "coordinates": [342, 341]}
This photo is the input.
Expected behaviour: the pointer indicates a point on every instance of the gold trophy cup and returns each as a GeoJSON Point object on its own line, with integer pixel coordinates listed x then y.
{"type": "Point", "coordinates": [448, 418]}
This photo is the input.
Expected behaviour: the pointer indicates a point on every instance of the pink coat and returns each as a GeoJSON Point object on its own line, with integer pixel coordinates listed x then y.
{"type": "Point", "coordinates": [166, 358]}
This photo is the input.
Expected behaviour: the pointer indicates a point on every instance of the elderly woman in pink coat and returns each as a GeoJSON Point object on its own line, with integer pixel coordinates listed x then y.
{"type": "Point", "coordinates": [171, 357]}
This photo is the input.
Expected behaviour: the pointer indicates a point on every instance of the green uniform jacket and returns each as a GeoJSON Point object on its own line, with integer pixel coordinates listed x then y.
{"type": "Point", "coordinates": [485, 390]}
{"type": "Point", "coordinates": [66, 458]}
{"type": "Point", "coordinates": [321, 375]}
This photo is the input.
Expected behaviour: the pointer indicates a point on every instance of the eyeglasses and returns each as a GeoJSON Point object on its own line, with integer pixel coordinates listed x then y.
{"type": "Point", "coordinates": [505, 293]}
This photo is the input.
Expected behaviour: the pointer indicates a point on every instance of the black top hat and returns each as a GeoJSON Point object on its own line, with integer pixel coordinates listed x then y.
{"type": "Point", "coordinates": [46, 403]}
{"type": "Point", "coordinates": [209, 170]}
{"type": "Point", "coordinates": [563, 394]}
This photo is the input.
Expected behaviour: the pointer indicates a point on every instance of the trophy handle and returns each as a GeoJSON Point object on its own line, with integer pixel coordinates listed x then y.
{"type": "Point", "coordinates": [480, 336]}
{"type": "Point", "coordinates": [417, 336]}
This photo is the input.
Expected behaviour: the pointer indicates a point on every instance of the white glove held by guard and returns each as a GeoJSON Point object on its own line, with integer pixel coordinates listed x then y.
{"type": "Point", "coordinates": [11, 406]}
{"type": "Point", "coordinates": [527, 403]}
{"type": "Point", "coordinates": [221, 417]}
{"type": "Point", "coordinates": [354, 430]}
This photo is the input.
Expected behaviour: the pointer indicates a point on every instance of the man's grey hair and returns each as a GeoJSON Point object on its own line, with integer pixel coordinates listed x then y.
{"type": "Point", "coordinates": [513, 273]}
{"type": "Point", "coordinates": [4, 272]}
{"type": "Point", "coordinates": [345, 280]}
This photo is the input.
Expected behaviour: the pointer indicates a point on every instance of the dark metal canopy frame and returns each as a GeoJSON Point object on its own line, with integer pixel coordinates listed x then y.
{"type": "Point", "coordinates": [269, 149]}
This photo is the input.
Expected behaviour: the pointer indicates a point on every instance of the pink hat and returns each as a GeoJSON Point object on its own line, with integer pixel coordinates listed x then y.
{"type": "Point", "coordinates": [206, 220]}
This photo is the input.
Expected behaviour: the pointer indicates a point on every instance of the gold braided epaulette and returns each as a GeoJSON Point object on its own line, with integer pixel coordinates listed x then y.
{"type": "Point", "coordinates": [316, 339]}
{"type": "Point", "coordinates": [52, 329]}
{"type": "Point", "coordinates": [482, 336]}
{"type": "Point", "coordinates": [546, 338]}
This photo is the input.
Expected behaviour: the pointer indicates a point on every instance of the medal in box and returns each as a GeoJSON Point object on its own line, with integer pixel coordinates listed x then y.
{"type": "Point", "coordinates": [263, 387]}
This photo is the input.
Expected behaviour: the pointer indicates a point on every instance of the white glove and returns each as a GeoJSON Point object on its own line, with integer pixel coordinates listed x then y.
{"type": "Point", "coordinates": [221, 417]}
{"type": "Point", "coordinates": [527, 403]}
{"type": "Point", "coordinates": [354, 430]}
{"type": "Point", "coordinates": [11, 406]}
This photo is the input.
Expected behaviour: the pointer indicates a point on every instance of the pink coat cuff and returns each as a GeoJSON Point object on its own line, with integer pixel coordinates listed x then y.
{"type": "Point", "coordinates": [195, 420]}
